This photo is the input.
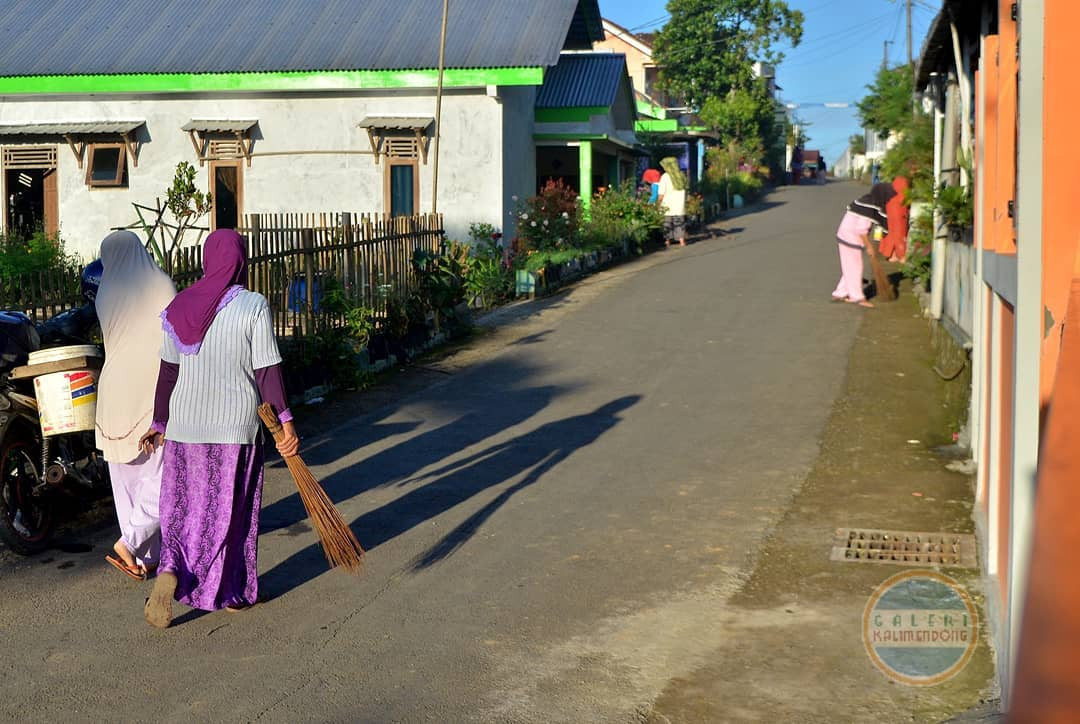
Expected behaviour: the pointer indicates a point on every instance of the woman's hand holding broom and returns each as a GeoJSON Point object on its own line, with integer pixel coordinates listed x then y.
{"type": "Point", "coordinates": [288, 444]}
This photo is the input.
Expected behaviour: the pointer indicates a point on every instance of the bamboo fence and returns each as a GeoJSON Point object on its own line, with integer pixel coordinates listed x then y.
{"type": "Point", "coordinates": [291, 260]}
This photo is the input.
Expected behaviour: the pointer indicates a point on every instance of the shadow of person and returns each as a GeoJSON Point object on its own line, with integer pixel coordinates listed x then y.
{"type": "Point", "coordinates": [532, 454]}
{"type": "Point", "coordinates": [497, 402]}
{"type": "Point", "coordinates": [536, 453]}
{"type": "Point", "coordinates": [398, 462]}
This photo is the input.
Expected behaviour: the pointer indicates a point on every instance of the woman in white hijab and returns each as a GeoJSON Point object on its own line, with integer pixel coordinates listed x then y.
{"type": "Point", "coordinates": [133, 293]}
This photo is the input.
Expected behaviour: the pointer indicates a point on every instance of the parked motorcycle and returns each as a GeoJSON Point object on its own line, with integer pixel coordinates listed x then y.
{"type": "Point", "coordinates": [41, 475]}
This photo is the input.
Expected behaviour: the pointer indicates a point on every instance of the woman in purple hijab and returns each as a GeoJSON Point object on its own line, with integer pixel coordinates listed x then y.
{"type": "Point", "coordinates": [219, 360]}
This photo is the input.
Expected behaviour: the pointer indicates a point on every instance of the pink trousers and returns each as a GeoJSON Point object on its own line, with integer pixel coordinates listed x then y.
{"type": "Point", "coordinates": [136, 487]}
{"type": "Point", "coordinates": [851, 268]}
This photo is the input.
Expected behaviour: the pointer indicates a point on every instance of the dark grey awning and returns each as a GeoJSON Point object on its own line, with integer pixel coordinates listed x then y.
{"type": "Point", "coordinates": [217, 126]}
{"type": "Point", "coordinates": [82, 128]}
{"type": "Point", "coordinates": [403, 123]}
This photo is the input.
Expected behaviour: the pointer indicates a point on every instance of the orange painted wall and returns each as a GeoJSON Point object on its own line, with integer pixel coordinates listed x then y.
{"type": "Point", "coordinates": [989, 130]}
{"type": "Point", "coordinates": [1061, 174]}
{"type": "Point", "coordinates": [1007, 332]}
{"type": "Point", "coordinates": [1005, 175]}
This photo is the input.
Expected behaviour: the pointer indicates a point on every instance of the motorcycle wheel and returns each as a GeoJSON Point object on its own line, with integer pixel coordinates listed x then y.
{"type": "Point", "coordinates": [26, 520]}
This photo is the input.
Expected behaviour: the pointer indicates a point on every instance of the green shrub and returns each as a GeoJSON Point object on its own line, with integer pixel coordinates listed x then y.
{"type": "Point", "coordinates": [338, 311]}
{"type": "Point", "coordinates": [621, 214]}
{"type": "Point", "coordinates": [441, 280]}
{"type": "Point", "coordinates": [39, 253]}
{"type": "Point", "coordinates": [920, 241]}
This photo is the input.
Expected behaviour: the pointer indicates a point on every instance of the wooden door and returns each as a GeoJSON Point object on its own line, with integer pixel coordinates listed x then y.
{"type": "Point", "coordinates": [227, 194]}
{"type": "Point", "coordinates": [52, 203]}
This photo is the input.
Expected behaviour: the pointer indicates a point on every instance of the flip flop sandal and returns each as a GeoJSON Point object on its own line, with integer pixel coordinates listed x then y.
{"type": "Point", "coordinates": [133, 572]}
{"type": "Point", "coordinates": [158, 607]}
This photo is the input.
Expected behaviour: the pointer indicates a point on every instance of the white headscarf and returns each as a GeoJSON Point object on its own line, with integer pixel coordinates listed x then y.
{"type": "Point", "coordinates": [129, 302]}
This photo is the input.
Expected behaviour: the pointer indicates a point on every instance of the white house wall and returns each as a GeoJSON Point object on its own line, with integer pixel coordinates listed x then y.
{"type": "Point", "coordinates": [471, 175]}
{"type": "Point", "coordinates": [519, 154]}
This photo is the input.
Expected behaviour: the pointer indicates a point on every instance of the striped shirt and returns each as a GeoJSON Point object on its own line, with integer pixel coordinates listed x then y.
{"type": "Point", "coordinates": [216, 398]}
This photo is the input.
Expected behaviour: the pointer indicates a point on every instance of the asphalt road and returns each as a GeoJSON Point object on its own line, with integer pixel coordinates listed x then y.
{"type": "Point", "coordinates": [554, 525]}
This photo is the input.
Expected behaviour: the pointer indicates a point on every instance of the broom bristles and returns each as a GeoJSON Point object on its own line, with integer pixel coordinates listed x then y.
{"type": "Point", "coordinates": [340, 545]}
{"type": "Point", "coordinates": [881, 280]}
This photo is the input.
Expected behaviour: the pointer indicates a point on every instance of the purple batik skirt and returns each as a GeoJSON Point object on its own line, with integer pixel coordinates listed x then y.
{"type": "Point", "coordinates": [210, 498]}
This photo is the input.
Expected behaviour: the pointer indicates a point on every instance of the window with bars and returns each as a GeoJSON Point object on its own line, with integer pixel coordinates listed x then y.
{"type": "Point", "coordinates": [401, 147]}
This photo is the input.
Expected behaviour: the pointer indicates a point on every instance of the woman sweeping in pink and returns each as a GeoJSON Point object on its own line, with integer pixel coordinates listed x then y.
{"type": "Point", "coordinates": [853, 236]}
{"type": "Point", "coordinates": [219, 359]}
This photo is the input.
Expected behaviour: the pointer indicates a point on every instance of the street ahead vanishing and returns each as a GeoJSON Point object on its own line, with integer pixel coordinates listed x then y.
{"type": "Point", "coordinates": [553, 525]}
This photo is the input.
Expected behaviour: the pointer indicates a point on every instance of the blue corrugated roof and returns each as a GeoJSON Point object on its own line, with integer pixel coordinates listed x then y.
{"type": "Point", "coordinates": [583, 79]}
{"type": "Point", "coordinates": [79, 37]}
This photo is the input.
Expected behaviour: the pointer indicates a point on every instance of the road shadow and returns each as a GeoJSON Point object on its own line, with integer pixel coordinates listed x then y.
{"type": "Point", "coordinates": [532, 454]}
{"type": "Point", "coordinates": [536, 452]}
{"type": "Point", "coordinates": [483, 407]}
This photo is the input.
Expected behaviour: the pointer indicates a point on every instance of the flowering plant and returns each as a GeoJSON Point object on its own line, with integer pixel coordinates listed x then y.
{"type": "Point", "coordinates": [695, 204]}
{"type": "Point", "coordinates": [549, 220]}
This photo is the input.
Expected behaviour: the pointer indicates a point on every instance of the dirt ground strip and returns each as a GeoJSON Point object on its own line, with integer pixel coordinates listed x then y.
{"type": "Point", "coordinates": [794, 651]}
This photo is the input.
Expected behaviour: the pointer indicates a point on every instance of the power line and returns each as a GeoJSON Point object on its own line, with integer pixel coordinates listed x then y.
{"type": "Point", "coordinates": [815, 55]}
{"type": "Point", "coordinates": [649, 23]}
{"type": "Point", "coordinates": [821, 41]}
{"type": "Point", "coordinates": [896, 26]}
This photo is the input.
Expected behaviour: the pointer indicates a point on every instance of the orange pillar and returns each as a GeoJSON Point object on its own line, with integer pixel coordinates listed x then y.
{"type": "Point", "coordinates": [1061, 110]}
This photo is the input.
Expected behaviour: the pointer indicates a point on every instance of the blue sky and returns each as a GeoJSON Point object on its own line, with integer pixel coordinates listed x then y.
{"type": "Point", "coordinates": [841, 50]}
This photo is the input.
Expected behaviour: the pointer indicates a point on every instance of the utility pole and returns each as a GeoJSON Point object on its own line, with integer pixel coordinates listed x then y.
{"type": "Point", "coordinates": [885, 56]}
{"type": "Point", "coordinates": [911, 66]}
{"type": "Point", "coordinates": [438, 109]}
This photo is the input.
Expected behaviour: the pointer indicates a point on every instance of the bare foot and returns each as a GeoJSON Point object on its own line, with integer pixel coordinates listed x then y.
{"type": "Point", "coordinates": [124, 554]}
{"type": "Point", "coordinates": [682, 242]}
{"type": "Point", "coordinates": [158, 607]}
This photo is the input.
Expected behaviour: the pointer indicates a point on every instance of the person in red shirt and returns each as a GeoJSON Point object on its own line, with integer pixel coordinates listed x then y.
{"type": "Point", "coordinates": [894, 245]}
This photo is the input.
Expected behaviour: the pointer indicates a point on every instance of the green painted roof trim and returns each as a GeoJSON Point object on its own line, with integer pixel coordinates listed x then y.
{"type": "Point", "coordinates": [570, 115]}
{"type": "Point", "coordinates": [656, 126]}
{"type": "Point", "coordinates": [570, 137]}
{"type": "Point", "coordinates": [273, 81]}
{"type": "Point", "coordinates": [581, 137]}
{"type": "Point", "coordinates": [651, 110]}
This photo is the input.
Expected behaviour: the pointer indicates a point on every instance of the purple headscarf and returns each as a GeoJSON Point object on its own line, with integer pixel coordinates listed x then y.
{"type": "Point", "coordinates": [190, 314]}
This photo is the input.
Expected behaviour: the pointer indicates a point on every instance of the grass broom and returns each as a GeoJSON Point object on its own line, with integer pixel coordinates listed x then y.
{"type": "Point", "coordinates": [338, 542]}
{"type": "Point", "coordinates": [884, 287]}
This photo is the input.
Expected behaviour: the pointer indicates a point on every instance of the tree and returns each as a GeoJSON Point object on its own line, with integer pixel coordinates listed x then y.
{"type": "Point", "coordinates": [857, 143]}
{"type": "Point", "coordinates": [709, 47]}
{"type": "Point", "coordinates": [742, 113]}
{"type": "Point", "coordinates": [887, 108]}
{"type": "Point", "coordinates": [795, 133]}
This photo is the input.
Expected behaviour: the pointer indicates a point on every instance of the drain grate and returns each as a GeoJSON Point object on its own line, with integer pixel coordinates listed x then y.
{"type": "Point", "coordinates": [904, 547]}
